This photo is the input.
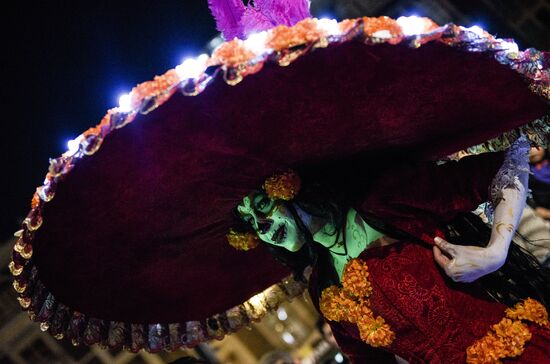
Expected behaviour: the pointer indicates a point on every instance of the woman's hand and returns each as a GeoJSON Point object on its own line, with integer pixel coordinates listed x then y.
{"type": "Point", "coordinates": [467, 263]}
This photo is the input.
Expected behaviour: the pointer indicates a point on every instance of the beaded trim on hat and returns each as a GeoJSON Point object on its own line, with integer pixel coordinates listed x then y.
{"type": "Point", "coordinates": [233, 61]}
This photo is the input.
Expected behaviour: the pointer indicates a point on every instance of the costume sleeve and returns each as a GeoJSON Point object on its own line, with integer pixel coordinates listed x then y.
{"type": "Point", "coordinates": [514, 170]}
{"type": "Point", "coordinates": [356, 350]}
{"type": "Point", "coordinates": [419, 197]}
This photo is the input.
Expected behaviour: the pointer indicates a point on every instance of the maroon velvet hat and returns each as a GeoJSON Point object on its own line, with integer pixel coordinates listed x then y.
{"type": "Point", "coordinates": [132, 250]}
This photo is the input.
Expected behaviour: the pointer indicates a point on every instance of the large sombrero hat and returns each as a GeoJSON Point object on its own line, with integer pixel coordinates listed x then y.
{"type": "Point", "coordinates": [125, 242]}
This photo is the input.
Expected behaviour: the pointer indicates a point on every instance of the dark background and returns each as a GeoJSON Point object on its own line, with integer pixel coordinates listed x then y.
{"type": "Point", "coordinates": [66, 62]}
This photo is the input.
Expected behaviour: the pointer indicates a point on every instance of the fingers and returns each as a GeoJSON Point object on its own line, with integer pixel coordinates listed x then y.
{"type": "Point", "coordinates": [445, 246]}
{"type": "Point", "coordinates": [446, 264]}
{"type": "Point", "coordinates": [440, 258]}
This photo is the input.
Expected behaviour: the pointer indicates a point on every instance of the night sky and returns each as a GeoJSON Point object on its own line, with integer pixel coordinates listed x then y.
{"type": "Point", "coordinates": [67, 62]}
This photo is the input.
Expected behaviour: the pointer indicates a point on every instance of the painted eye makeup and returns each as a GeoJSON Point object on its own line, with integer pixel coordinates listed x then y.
{"type": "Point", "coordinates": [262, 203]}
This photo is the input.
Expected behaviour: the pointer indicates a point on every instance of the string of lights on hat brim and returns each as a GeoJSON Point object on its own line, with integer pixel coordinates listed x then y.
{"type": "Point", "coordinates": [125, 242]}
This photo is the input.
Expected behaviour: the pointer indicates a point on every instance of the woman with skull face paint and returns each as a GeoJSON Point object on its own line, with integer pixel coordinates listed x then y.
{"type": "Point", "coordinates": [144, 202]}
{"type": "Point", "coordinates": [328, 240]}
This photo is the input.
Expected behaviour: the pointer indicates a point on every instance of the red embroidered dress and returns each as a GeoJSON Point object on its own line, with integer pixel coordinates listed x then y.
{"type": "Point", "coordinates": [434, 319]}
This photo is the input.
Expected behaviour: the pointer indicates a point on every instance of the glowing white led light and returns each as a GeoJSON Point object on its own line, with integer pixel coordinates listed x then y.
{"type": "Point", "coordinates": [511, 47]}
{"type": "Point", "coordinates": [476, 30]}
{"type": "Point", "coordinates": [281, 314]}
{"type": "Point", "coordinates": [288, 338]}
{"type": "Point", "coordinates": [329, 25]}
{"type": "Point", "coordinates": [257, 43]}
{"type": "Point", "coordinates": [203, 58]}
{"type": "Point", "coordinates": [339, 358]}
{"type": "Point", "coordinates": [125, 103]}
{"type": "Point", "coordinates": [192, 67]}
{"type": "Point", "coordinates": [73, 146]}
{"type": "Point", "coordinates": [411, 25]}
{"type": "Point", "coordinates": [382, 34]}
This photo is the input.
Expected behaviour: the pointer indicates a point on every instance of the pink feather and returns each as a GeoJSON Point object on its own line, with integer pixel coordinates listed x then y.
{"type": "Point", "coordinates": [234, 19]}
{"type": "Point", "coordinates": [227, 14]}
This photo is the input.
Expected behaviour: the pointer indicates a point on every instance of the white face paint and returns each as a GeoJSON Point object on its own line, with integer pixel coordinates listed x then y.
{"type": "Point", "coordinates": [272, 221]}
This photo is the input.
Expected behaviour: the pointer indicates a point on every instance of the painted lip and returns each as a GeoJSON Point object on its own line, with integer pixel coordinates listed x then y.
{"type": "Point", "coordinates": [279, 235]}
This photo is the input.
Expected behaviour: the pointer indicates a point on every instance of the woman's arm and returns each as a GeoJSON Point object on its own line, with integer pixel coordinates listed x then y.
{"type": "Point", "coordinates": [508, 194]}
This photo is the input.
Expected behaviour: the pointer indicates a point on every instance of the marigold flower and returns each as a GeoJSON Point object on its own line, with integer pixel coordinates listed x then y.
{"type": "Point", "coordinates": [232, 53]}
{"type": "Point", "coordinates": [305, 31]}
{"type": "Point", "coordinates": [514, 335]}
{"type": "Point", "coordinates": [242, 241]}
{"type": "Point", "coordinates": [529, 310]}
{"type": "Point", "coordinates": [355, 279]}
{"type": "Point", "coordinates": [373, 25]}
{"type": "Point", "coordinates": [506, 339]}
{"type": "Point", "coordinates": [351, 304]}
{"type": "Point", "coordinates": [337, 307]}
{"type": "Point", "coordinates": [308, 31]}
{"type": "Point", "coordinates": [487, 350]}
{"type": "Point", "coordinates": [284, 186]}
{"type": "Point", "coordinates": [347, 24]}
{"type": "Point", "coordinates": [35, 202]}
{"type": "Point", "coordinates": [374, 331]}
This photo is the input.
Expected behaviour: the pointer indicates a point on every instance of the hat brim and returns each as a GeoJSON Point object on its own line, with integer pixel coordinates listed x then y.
{"type": "Point", "coordinates": [135, 233]}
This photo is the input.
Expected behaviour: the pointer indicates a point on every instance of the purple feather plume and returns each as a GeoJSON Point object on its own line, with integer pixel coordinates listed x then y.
{"type": "Point", "coordinates": [228, 14]}
{"type": "Point", "coordinates": [234, 19]}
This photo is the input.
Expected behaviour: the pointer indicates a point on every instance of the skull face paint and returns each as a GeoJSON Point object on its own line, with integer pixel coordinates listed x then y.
{"type": "Point", "coordinates": [272, 221]}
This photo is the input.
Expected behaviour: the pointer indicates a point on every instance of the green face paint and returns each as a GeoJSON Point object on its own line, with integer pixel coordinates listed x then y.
{"type": "Point", "coordinates": [271, 220]}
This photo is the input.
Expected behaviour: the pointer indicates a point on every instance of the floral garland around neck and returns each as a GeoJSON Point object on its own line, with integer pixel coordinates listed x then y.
{"type": "Point", "coordinates": [351, 303]}
{"type": "Point", "coordinates": [507, 338]}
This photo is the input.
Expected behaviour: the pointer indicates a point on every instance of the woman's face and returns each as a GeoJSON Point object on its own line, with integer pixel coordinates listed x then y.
{"type": "Point", "coordinates": [272, 221]}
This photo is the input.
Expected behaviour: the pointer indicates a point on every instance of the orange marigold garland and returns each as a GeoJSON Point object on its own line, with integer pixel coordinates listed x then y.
{"type": "Point", "coordinates": [351, 304]}
{"type": "Point", "coordinates": [383, 23]}
{"type": "Point", "coordinates": [508, 337]}
{"type": "Point", "coordinates": [242, 241]}
{"type": "Point", "coordinates": [375, 331]}
{"type": "Point", "coordinates": [284, 186]}
{"type": "Point", "coordinates": [355, 279]}
{"type": "Point", "coordinates": [232, 53]}
{"type": "Point", "coordinates": [529, 310]}
{"type": "Point", "coordinates": [283, 37]}
{"type": "Point", "coordinates": [335, 306]}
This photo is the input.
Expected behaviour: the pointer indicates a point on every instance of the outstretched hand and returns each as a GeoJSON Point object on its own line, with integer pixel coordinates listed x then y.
{"type": "Point", "coordinates": [466, 263]}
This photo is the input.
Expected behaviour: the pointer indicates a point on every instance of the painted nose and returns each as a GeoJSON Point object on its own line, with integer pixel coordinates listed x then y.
{"type": "Point", "coordinates": [264, 225]}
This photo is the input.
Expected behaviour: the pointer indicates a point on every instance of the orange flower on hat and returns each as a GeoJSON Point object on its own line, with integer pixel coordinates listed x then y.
{"type": "Point", "coordinates": [373, 25]}
{"type": "Point", "coordinates": [232, 53]}
{"type": "Point", "coordinates": [242, 241]}
{"type": "Point", "coordinates": [284, 186]}
{"type": "Point", "coordinates": [305, 31]}
{"type": "Point", "coordinates": [347, 24]}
